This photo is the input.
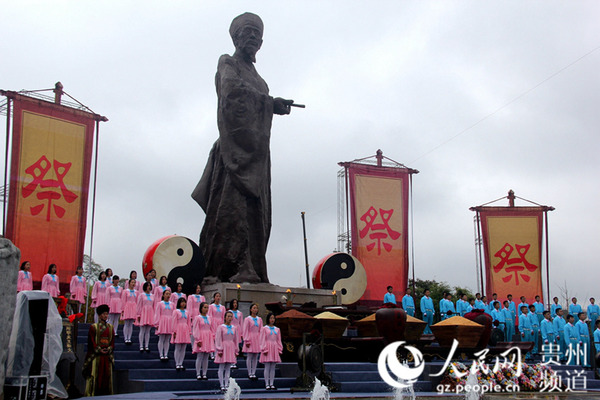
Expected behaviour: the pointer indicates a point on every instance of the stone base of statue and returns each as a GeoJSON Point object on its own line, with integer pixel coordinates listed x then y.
{"type": "Point", "coordinates": [264, 293]}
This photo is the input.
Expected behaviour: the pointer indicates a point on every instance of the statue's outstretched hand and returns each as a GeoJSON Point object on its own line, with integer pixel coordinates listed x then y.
{"type": "Point", "coordinates": [282, 106]}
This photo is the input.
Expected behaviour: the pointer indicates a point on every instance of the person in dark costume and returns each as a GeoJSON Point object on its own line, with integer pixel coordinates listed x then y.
{"type": "Point", "coordinates": [99, 361]}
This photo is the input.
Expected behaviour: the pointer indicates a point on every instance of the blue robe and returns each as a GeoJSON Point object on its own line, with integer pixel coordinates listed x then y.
{"type": "Point", "coordinates": [597, 339]}
{"type": "Point", "coordinates": [480, 305]}
{"type": "Point", "coordinates": [535, 332]}
{"type": "Point", "coordinates": [539, 311]}
{"type": "Point", "coordinates": [498, 315]}
{"type": "Point", "coordinates": [574, 309]}
{"type": "Point", "coordinates": [525, 330]}
{"type": "Point", "coordinates": [559, 326]}
{"type": "Point", "coordinates": [548, 332]}
{"type": "Point", "coordinates": [593, 310]}
{"type": "Point", "coordinates": [584, 338]}
{"type": "Point", "coordinates": [512, 307]}
{"type": "Point", "coordinates": [408, 303]}
{"type": "Point", "coordinates": [571, 334]}
{"type": "Point", "coordinates": [510, 325]}
{"type": "Point", "coordinates": [389, 298]}
{"type": "Point", "coordinates": [428, 311]}
{"type": "Point", "coordinates": [553, 309]}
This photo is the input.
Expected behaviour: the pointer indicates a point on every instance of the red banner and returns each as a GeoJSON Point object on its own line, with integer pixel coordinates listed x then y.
{"type": "Point", "coordinates": [49, 182]}
{"type": "Point", "coordinates": [379, 226]}
{"type": "Point", "coordinates": [512, 241]}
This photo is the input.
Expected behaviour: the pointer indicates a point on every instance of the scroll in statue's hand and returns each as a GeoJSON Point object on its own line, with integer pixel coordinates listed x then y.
{"type": "Point", "coordinates": [282, 106]}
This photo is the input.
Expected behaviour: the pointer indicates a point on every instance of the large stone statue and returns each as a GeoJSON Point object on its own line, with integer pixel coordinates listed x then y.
{"type": "Point", "coordinates": [235, 188]}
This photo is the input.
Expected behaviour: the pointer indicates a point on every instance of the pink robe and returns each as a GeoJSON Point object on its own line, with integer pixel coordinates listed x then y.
{"type": "Point", "coordinates": [78, 288]}
{"type": "Point", "coordinates": [50, 284]}
{"type": "Point", "coordinates": [163, 313]}
{"type": "Point", "coordinates": [113, 299]}
{"type": "Point", "coordinates": [176, 296]}
{"type": "Point", "coordinates": [193, 304]}
{"type": "Point", "coordinates": [270, 344]}
{"type": "Point", "coordinates": [99, 293]}
{"type": "Point", "coordinates": [25, 281]}
{"type": "Point", "coordinates": [227, 340]}
{"type": "Point", "coordinates": [145, 309]}
{"type": "Point", "coordinates": [158, 292]}
{"type": "Point", "coordinates": [181, 327]}
{"type": "Point", "coordinates": [129, 301]}
{"type": "Point", "coordinates": [251, 334]}
{"type": "Point", "coordinates": [202, 332]}
{"type": "Point", "coordinates": [238, 321]}
{"type": "Point", "coordinates": [216, 315]}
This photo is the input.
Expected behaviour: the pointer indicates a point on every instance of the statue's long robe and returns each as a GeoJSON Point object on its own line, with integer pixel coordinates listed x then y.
{"type": "Point", "coordinates": [235, 188]}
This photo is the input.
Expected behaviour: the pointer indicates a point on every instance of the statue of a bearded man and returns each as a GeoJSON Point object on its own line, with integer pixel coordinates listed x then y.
{"type": "Point", "coordinates": [235, 188]}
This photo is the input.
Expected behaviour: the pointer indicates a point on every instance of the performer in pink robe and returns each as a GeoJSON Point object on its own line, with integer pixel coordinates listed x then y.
{"type": "Point", "coordinates": [160, 289]}
{"type": "Point", "coordinates": [25, 280]}
{"type": "Point", "coordinates": [50, 281]}
{"type": "Point", "coordinates": [113, 298]}
{"type": "Point", "coordinates": [216, 311]}
{"type": "Point", "coordinates": [138, 284]}
{"type": "Point", "coordinates": [181, 332]}
{"type": "Point", "coordinates": [163, 313]}
{"type": "Point", "coordinates": [78, 287]}
{"type": "Point", "coordinates": [251, 335]}
{"type": "Point", "coordinates": [194, 301]}
{"type": "Point", "coordinates": [145, 316]}
{"type": "Point", "coordinates": [204, 341]}
{"type": "Point", "coordinates": [227, 340]}
{"type": "Point", "coordinates": [178, 294]}
{"type": "Point", "coordinates": [271, 347]}
{"type": "Point", "coordinates": [129, 301]}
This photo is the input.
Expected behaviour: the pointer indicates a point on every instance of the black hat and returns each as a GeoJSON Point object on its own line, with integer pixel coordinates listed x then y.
{"type": "Point", "coordinates": [101, 309]}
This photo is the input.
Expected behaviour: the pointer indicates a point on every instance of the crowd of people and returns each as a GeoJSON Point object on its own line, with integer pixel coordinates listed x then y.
{"type": "Point", "coordinates": [212, 331]}
{"type": "Point", "coordinates": [572, 330]}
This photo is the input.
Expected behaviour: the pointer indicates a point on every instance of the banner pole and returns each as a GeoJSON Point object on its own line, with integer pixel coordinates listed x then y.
{"type": "Point", "coordinates": [8, 104]}
{"type": "Point", "coordinates": [349, 243]}
{"type": "Point", "coordinates": [480, 244]}
{"type": "Point", "coordinates": [547, 257]}
{"type": "Point", "coordinates": [93, 206]}
{"type": "Point", "coordinates": [412, 238]}
{"type": "Point", "coordinates": [305, 250]}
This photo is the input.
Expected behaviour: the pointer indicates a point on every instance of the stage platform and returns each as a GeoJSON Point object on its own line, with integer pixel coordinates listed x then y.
{"type": "Point", "coordinates": [143, 376]}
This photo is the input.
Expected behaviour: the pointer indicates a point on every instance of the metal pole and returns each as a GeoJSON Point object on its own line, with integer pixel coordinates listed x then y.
{"type": "Point", "coordinates": [349, 242]}
{"type": "Point", "coordinates": [93, 205]}
{"type": "Point", "coordinates": [480, 244]}
{"type": "Point", "coordinates": [547, 258]}
{"type": "Point", "coordinates": [8, 103]}
{"type": "Point", "coordinates": [305, 250]}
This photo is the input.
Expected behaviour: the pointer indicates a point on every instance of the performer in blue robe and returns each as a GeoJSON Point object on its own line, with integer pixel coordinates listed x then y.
{"type": "Point", "coordinates": [464, 304]}
{"type": "Point", "coordinates": [486, 306]}
{"type": "Point", "coordinates": [539, 309]}
{"type": "Point", "coordinates": [408, 303]}
{"type": "Point", "coordinates": [510, 325]}
{"type": "Point", "coordinates": [597, 339]}
{"type": "Point", "coordinates": [559, 326]}
{"type": "Point", "coordinates": [554, 306]}
{"type": "Point", "coordinates": [571, 335]}
{"type": "Point", "coordinates": [427, 311]}
{"type": "Point", "coordinates": [471, 305]}
{"type": "Point", "coordinates": [584, 339]}
{"type": "Point", "coordinates": [478, 303]}
{"type": "Point", "coordinates": [494, 301]}
{"type": "Point", "coordinates": [389, 297]}
{"type": "Point", "coordinates": [535, 329]}
{"type": "Point", "coordinates": [523, 303]}
{"type": "Point", "coordinates": [525, 328]}
{"type": "Point", "coordinates": [450, 310]}
{"type": "Point", "coordinates": [574, 308]}
{"type": "Point", "coordinates": [592, 312]}
{"type": "Point", "coordinates": [547, 328]}
{"type": "Point", "coordinates": [443, 307]}
{"type": "Point", "coordinates": [499, 320]}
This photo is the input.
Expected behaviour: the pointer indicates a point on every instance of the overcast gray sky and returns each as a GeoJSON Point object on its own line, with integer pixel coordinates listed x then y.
{"type": "Point", "coordinates": [407, 77]}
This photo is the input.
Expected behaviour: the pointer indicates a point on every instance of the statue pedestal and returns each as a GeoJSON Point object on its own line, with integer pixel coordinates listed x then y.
{"type": "Point", "coordinates": [262, 293]}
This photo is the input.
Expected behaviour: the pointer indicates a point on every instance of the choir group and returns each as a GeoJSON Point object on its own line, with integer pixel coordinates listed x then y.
{"type": "Point", "coordinates": [570, 332]}
{"type": "Point", "coordinates": [213, 330]}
